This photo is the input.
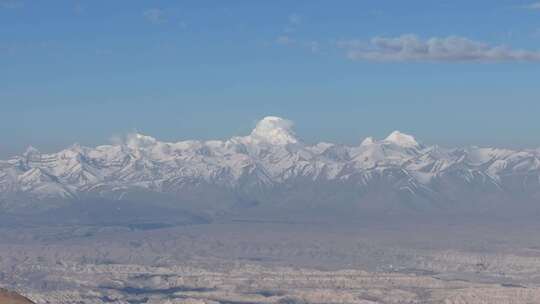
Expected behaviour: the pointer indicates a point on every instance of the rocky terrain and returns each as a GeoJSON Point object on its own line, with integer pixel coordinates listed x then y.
{"type": "Point", "coordinates": [275, 262]}
{"type": "Point", "coordinates": [245, 283]}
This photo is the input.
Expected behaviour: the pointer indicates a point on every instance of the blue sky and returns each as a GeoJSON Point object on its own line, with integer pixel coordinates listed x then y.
{"type": "Point", "coordinates": [449, 72]}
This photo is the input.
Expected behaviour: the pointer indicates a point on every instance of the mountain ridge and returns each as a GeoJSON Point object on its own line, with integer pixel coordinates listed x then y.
{"type": "Point", "coordinates": [266, 165]}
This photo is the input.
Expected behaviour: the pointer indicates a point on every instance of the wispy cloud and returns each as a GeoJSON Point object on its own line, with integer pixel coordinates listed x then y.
{"type": "Point", "coordinates": [293, 21]}
{"type": "Point", "coordinates": [155, 15]}
{"type": "Point", "coordinates": [11, 4]}
{"type": "Point", "coordinates": [287, 37]}
{"type": "Point", "coordinates": [314, 46]}
{"type": "Point", "coordinates": [79, 8]}
{"type": "Point", "coordinates": [284, 40]}
{"type": "Point", "coordinates": [437, 49]}
{"type": "Point", "coordinates": [533, 6]}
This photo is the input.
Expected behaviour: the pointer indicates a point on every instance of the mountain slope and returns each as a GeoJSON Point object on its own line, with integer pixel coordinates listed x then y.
{"type": "Point", "coordinates": [271, 166]}
{"type": "Point", "coordinates": [7, 297]}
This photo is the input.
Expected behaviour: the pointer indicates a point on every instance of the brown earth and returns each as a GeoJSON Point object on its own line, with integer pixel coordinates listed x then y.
{"type": "Point", "coordinates": [9, 297]}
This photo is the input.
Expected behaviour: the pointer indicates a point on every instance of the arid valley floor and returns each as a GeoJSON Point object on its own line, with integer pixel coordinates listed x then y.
{"type": "Point", "coordinates": [239, 261]}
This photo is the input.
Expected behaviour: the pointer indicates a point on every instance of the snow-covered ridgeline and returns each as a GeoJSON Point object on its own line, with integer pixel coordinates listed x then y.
{"type": "Point", "coordinates": [271, 155]}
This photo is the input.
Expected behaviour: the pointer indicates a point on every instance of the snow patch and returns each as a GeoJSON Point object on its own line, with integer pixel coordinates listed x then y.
{"type": "Point", "coordinates": [402, 139]}
{"type": "Point", "coordinates": [368, 141]}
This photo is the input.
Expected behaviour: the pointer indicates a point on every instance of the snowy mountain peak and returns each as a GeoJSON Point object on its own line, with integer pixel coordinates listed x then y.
{"type": "Point", "coordinates": [402, 139]}
{"type": "Point", "coordinates": [368, 141]}
{"type": "Point", "coordinates": [262, 165]}
{"type": "Point", "coordinates": [137, 140]}
{"type": "Point", "coordinates": [31, 151]}
{"type": "Point", "coordinates": [274, 130]}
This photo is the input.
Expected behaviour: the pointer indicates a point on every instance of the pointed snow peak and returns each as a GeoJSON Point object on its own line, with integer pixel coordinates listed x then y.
{"type": "Point", "coordinates": [31, 151]}
{"type": "Point", "coordinates": [76, 147]}
{"type": "Point", "coordinates": [368, 141]}
{"type": "Point", "coordinates": [137, 140]}
{"type": "Point", "coordinates": [402, 139]}
{"type": "Point", "coordinates": [274, 130]}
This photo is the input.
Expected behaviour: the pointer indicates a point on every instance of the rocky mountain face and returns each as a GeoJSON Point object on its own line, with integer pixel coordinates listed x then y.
{"type": "Point", "coordinates": [272, 167]}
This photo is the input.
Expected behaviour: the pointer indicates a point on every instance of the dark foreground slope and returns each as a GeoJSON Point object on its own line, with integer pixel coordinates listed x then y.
{"type": "Point", "coordinates": [9, 297]}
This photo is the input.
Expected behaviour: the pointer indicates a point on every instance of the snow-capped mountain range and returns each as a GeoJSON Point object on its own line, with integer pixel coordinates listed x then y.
{"type": "Point", "coordinates": [269, 165]}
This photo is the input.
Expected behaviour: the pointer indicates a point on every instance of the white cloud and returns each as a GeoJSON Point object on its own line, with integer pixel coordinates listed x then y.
{"type": "Point", "coordinates": [155, 15]}
{"type": "Point", "coordinates": [533, 6]}
{"type": "Point", "coordinates": [442, 49]}
{"type": "Point", "coordinates": [11, 4]}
